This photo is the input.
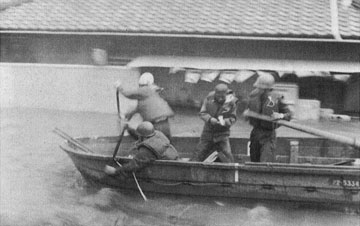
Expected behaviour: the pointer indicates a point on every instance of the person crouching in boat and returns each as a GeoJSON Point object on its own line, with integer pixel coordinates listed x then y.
{"type": "Point", "coordinates": [151, 145]}
{"type": "Point", "coordinates": [151, 106]}
{"type": "Point", "coordinates": [218, 111]}
{"type": "Point", "coordinates": [263, 101]}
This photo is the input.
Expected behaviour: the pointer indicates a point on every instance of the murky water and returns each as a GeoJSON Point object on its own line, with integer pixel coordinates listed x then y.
{"type": "Point", "coordinates": [40, 185]}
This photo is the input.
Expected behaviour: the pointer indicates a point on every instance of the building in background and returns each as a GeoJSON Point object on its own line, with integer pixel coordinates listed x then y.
{"type": "Point", "coordinates": [314, 44]}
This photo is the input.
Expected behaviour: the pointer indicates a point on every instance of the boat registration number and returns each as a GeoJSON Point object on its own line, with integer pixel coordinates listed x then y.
{"type": "Point", "coordinates": [346, 183]}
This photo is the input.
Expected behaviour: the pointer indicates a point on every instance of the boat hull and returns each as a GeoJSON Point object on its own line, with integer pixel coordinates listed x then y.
{"type": "Point", "coordinates": [270, 181]}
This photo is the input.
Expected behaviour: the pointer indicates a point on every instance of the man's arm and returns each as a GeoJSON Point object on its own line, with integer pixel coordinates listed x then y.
{"type": "Point", "coordinates": [132, 93]}
{"type": "Point", "coordinates": [140, 160]}
{"type": "Point", "coordinates": [285, 110]}
{"type": "Point", "coordinates": [231, 115]}
{"type": "Point", "coordinates": [204, 114]}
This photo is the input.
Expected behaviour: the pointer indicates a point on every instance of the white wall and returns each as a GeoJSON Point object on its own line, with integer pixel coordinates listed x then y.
{"type": "Point", "coordinates": [63, 87]}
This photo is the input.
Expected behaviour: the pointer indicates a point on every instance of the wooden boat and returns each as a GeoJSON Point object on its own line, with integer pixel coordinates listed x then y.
{"type": "Point", "coordinates": [307, 170]}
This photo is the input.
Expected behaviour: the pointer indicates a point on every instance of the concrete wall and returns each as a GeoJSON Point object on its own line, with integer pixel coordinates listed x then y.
{"type": "Point", "coordinates": [63, 87]}
{"type": "Point", "coordinates": [77, 49]}
{"type": "Point", "coordinates": [352, 100]}
{"type": "Point", "coordinates": [91, 88]}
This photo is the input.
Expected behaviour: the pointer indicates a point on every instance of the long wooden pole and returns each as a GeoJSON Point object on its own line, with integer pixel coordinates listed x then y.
{"type": "Point", "coordinates": [75, 142]}
{"type": "Point", "coordinates": [118, 144]}
{"type": "Point", "coordinates": [119, 141]}
{"type": "Point", "coordinates": [331, 136]}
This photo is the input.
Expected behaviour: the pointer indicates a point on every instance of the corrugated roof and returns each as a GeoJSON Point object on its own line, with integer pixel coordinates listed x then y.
{"type": "Point", "coordinates": [349, 21]}
{"type": "Point", "coordinates": [264, 18]}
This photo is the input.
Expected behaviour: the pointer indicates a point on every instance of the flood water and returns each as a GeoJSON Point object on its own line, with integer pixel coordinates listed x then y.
{"type": "Point", "coordinates": [41, 187]}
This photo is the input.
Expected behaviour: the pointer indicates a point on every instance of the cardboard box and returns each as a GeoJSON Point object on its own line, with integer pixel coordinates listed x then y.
{"type": "Point", "coordinates": [307, 110]}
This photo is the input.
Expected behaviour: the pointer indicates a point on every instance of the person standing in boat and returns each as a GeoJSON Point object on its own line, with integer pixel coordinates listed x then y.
{"type": "Point", "coordinates": [151, 106]}
{"type": "Point", "coordinates": [151, 145]}
{"type": "Point", "coordinates": [218, 111]}
{"type": "Point", "coordinates": [264, 101]}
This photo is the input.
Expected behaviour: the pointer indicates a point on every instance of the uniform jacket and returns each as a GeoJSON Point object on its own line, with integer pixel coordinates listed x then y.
{"type": "Point", "coordinates": [150, 105]}
{"type": "Point", "coordinates": [267, 104]}
{"type": "Point", "coordinates": [211, 109]}
{"type": "Point", "coordinates": [160, 145]}
{"type": "Point", "coordinates": [149, 150]}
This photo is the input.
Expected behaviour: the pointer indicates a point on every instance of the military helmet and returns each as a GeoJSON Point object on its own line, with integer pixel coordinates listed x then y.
{"type": "Point", "coordinates": [264, 81]}
{"type": "Point", "coordinates": [145, 129]}
{"type": "Point", "coordinates": [221, 88]}
{"type": "Point", "coordinates": [146, 79]}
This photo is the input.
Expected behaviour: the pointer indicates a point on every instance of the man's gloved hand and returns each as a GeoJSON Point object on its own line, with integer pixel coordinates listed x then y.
{"type": "Point", "coordinates": [119, 172]}
{"type": "Point", "coordinates": [227, 122]}
{"type": "Point", "coordinates": [221, 120]}
{"type": "Point", "coordinates": [214, 121]}
{"type": "Point", "coordinates": [277, 116]}
{"type": "Point", "coordinates": [118, 84]}
{"type": "Point", "coordinates": [109, 170]}
{"type": "Point", "coordinates": [112, 171]}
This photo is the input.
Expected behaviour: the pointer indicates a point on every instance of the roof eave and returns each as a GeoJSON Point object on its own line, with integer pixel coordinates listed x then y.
{"type": "Point", "coordinates": [200, 36]}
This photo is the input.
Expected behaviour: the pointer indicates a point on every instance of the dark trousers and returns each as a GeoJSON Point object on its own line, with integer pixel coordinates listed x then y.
{"type": "Point", "coordinates": [208, 145]}
{"type": "Point", "coordinates": [262, 145]}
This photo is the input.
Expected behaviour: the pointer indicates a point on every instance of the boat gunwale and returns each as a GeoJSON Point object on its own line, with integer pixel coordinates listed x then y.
{"type": "Point", "coordinates": [247, 166]}
{"type": "Point", "coordinates": [115, 138]}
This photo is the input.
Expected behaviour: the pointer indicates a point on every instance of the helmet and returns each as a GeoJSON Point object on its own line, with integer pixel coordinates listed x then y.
{"type": "Point", "coordinates": [146, 79]}
{"type": "Point", "coordinates": [220, 93]}
{"type": "Point", "coordinates": [264, 81]}
{"type": "Point", "coordinates": [221, 88]}
{"type": "Point", "coordinates": [145, 129]}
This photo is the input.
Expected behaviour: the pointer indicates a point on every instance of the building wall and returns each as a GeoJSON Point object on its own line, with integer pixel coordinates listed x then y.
{"type": "Point", "coordinates": [77, 50]}
{"type": "Point", "coordinates": [352, 100]}
{"type": "Point", "coordinates": [63, 87]}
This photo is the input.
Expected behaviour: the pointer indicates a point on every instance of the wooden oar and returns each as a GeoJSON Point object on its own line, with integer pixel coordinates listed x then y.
{"type": "Point", "coordinates": [118, 145]}
{"type": "Point", "coordinates": [116, 150]}
{"type": "Point", "coordinates": [118, 102]}
{"type": "Point", "coordinates": [71, 140]}
{"type": "Point", "coordinates": [331, 136]}
{"type": "Point", "coordinates": [123, 130]}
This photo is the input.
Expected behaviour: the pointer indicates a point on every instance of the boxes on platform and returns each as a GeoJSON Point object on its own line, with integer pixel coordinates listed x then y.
{"type": "Point", "coordinates": [339, 118]}
{"type": "Point", "coordinates": [326, 112]}
{"type": "Point", "coordinates": [307, 110]}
